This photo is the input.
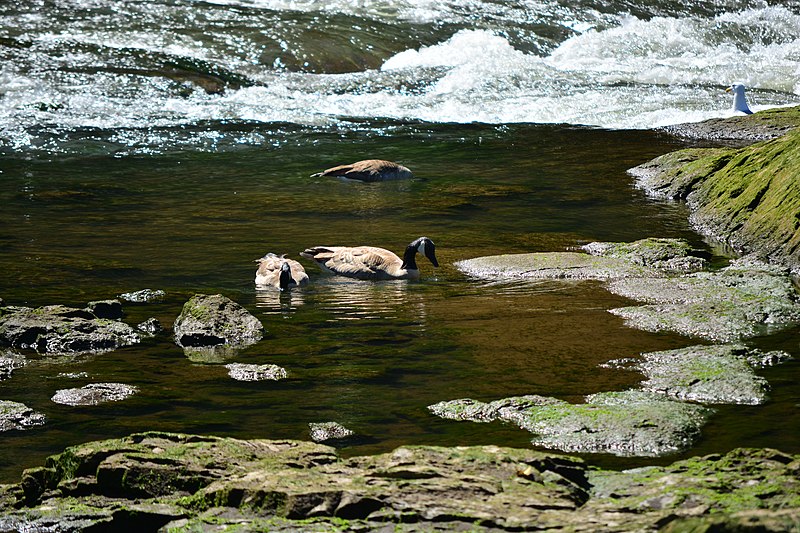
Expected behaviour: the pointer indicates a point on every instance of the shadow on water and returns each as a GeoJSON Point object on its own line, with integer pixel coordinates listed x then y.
{"type": "Point", "coordinates": [370, 356]}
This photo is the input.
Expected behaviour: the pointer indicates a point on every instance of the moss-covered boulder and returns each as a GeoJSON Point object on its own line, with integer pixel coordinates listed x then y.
{"type": "Point", "coordinates": [746, 129]}
{"type": "Point", "coordinates": [211, 321]}
{"type": "Point", "coordinates": [629, 423]}
{"type": "Point", "coordinates": [748, 198]}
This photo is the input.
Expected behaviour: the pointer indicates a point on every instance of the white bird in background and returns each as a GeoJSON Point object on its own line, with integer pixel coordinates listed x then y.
{"type": "Point", "coordinates": [739, 100]}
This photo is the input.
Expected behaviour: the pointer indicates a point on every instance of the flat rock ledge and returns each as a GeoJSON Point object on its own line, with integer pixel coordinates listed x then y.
{"type": "Point", "coordinates": [172, 482]}
{"type": "Point", "coordinates": [57, 329]}
{"type": "Point", "coordinates": [709, 374]}
{"type": "Point", "coordinates": [746, 299]}
{"type": "Point", "coordinates": [627, 423]}
{"type": "Point", "coordinates": [214, 324]}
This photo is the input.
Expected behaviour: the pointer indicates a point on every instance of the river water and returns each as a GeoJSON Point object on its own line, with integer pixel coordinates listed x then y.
{"type": "Point", "coordinates": [167, 144]}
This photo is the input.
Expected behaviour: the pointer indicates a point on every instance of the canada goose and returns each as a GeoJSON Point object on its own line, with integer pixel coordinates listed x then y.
{"type": "Point", "coordinates": [369, 262]}
{"type": "Point", "coordinates": [369, 170]}
{"type": "Point", "coordinates": [739, 100]}
{"type": "Point", "coordinates": [279, 272]}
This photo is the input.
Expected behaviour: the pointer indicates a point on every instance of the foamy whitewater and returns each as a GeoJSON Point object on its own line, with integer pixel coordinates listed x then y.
{"type": "Point", "coordinates": [131, 73]}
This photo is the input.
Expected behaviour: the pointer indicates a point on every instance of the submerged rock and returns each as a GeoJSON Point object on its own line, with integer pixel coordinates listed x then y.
{"type": "Point", "coordinates": [629, 423]}
{"type": "Point", "coordinates": [143, 296]}
{"type": "Point", "coordinates": [245, 372]}
{"type": "Point", "coordinates": [328, 431]}
{"type": "Point", "coordinates": [161, 481]}
{"type": "Point", "coordinates": [94, 394]}
{"type": "Point", "coordinates": [57, 329]}
{"type": "Point", "coordinates": [707, 374]}
{"type": "Point", "coordinates": [215, 320]}
{"type": "Point", "coordinates": [746, 299]}
{"type": "Point", "coordinates": [15, 415]}
{"type": "Point", "coordinates": [151, 326]}
{"type": "Point", "coordinates": [10, 361]}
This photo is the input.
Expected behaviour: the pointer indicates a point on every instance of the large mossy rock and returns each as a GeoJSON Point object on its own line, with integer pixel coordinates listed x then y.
{"type": "Point", "coordinates": [216, 321]}
{"type": "Point", "coordinates": [57, 329]}
{"type": "Point", "coordinates": [171, 482]}
{"type": "Point", "coordinates": [629, 423]}
{"type": "Point", "coordinates": [15, 415]}
{"type": "Point", "coordinates": [748, 198]}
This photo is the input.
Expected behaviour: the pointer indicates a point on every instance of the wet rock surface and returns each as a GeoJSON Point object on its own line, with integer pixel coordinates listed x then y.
{"type": "Point", "coordinates": [94, 394]}
{"type": "Point", "coordinates": [246, 372]}
{"type": "Point", "coordinates": [215, 320]}
{"type": "Point", "coordinates": [762, 126]}
{"type": "Point", "coordinates": [708, 374]}
{"type": "Point", "coordinates": [746, 299]}
{"type": "Point", "coordinates": [161, 481]}
{"type": "Point", "coordinates": [9, 362]}
{"type": "Point", "coordinates": [328, 431]}
{"type": "Point", "coordinates": [622, 423]}
{"type": "Point", "coordinates": [57, 329]}
{"type": "Point", "coordinates": [15, 415]}
{"type": "Point", "coordinates": [143, 296]}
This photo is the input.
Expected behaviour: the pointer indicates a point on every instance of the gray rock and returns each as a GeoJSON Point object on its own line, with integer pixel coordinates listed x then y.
{"type": "Point", "coordinates": [669, 255]}
{"type": "Point", "coordinates": [94, 394]}
{"type": "Point", "coordinates": [743, 300]}
{"type": "Point", "coordinates": [143, 296]}
{"type": "Point", "coordinates": [15, 415]}
{"type": "Point", "coordinates": [707, 374]}
{"type": "Point", "coordinates": [151, 326]}
{"type": "Point", "coordinates": [10, 361]}
{"type": "Point", "coordinates": [57, 329]}
{"type": "Point", "coordinates": [629, 423]}
{"type": "Point", "coordinates": [245, 372]}
{"type": "Point", "coordinates": [328, 431]}
{"type": "Point", "coordinates": [215, 320]}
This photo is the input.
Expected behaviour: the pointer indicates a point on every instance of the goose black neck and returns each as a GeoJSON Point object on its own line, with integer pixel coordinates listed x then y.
{"type": "Point", "coordinates": [410, 258]}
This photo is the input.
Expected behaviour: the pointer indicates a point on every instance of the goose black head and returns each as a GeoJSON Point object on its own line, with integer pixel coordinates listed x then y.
{"type": "Point", "coordinates": [285, 276]}
{"type": "Point", "coordinates": [426, 247]}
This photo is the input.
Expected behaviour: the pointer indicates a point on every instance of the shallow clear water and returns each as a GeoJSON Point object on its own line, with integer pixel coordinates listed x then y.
{"type": "Point", "coordinates": [123, 167]}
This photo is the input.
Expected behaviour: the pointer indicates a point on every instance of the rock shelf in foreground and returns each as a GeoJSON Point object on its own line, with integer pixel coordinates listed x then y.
{"type": "Point", "coordinates": [173, 482]}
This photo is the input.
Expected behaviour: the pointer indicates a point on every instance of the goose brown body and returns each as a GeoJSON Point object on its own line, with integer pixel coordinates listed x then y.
{"type": "Point", "coordinates": [370, 262]}
{"type": "Point", "coordinates": [369, 170]}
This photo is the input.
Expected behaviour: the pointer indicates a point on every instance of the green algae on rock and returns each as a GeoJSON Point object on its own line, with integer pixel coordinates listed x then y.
{"type": "Point", "coordinates": [707, 374]}
{"type": "Point", "coordinates": [746, 299]}
{"type": "Point", "coordinates": [172, 482]}
{"type": "Point", "coordinates": [57, 329]}
{"type": "Point", "coordinates": [211, 323]}
{"type": "Point", "coordinates": [748, 198]}
{"type": "Point", "coordinates": [628, 423]}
